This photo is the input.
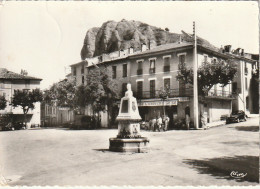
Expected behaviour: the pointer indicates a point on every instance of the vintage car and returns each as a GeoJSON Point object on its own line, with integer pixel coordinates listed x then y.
{"type": "Point", "coordinates": [236, 117]}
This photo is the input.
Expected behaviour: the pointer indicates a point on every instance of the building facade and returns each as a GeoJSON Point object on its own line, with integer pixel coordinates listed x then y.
{"type": "Point", "coordinates": [150, 71]}
{"type": "Point", "coordinates": [9, 82]}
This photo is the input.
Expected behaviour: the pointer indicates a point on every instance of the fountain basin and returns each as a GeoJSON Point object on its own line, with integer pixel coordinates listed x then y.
{"type": "Point", "coordinates": [137, 145]}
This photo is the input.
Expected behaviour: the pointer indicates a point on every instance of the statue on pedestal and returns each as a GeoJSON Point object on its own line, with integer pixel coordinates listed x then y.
{"type": "Point", "coordinates": [129, 137]}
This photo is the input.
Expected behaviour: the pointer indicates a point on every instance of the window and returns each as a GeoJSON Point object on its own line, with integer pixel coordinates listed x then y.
{"type": "Point", "coordinates": [246, 83]}
{"type": "Point", "coordinates": [139, 89]}
{"type": "Point", "coordinates": [82, 79]}
{"type": "Point", "coordinates": [182, 60]}
{"type": "Point", "coordinates": [114, 72]}
{"type": "Point", "coordinates": [152, 88]}
{"type": "Point", "coordinates": [140, 68]}
{"type": "Point", "coordinates": [246, 70]}
{"type": "Point", "coordinates": [152, 65]}
{"type": "Point", "coordinates": [124, 70]}
{"type": "Point", "coordinates": [167, 83]}
{"type": "Point", "coordinates": [214, 60]}
{"type": "Point", "coordinates": [82, 69]}
{"type": "Point", "coordinates": [166, 64]}
{"type": "Point", "coordinates": [234, 87]}
{"type": "Point", "coordinates": [124, 88]}
{"type": "Point", "coordinates": [205, 58]}
{"type": "Point", "coordinates": [74, 72]}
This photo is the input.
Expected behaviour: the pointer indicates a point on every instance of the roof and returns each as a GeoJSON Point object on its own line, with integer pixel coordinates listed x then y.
{"type": "Point", "coordinates": [164, 47]}
{"type": "Point", "coordinates": [170, 46]}
{"type": "Point", "coordinates": [6, 74]}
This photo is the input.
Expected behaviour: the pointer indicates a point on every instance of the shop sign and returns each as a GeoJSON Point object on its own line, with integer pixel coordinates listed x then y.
{"type": "Point", "coordinates": [158, 103]}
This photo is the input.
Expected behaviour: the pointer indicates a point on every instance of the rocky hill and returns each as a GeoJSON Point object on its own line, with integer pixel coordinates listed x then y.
{"type": "Point", "coordinates": [112, 36]}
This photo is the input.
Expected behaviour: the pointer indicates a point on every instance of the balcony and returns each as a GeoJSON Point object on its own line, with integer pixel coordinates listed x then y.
{"type": "Point", "coordinates": [156, 94]}
{"type": "Point", "coordinates": [152, 70]}
{"type": "Point", "coordinates": [186, 92]}
{"type": "Point", "coordinates": [166, 68]}
{"type": "Point", "coordinates": [220, 94]}
{"type": "Point", "coordinates": [139, 71]}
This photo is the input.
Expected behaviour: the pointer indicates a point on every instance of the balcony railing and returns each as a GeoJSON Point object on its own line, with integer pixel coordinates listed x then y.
{"type": "Point", "coordinates": [152, 70]}
{"type": "Point", "coordinates": [186, 92]}
{"type": "Point", "coordinates": [220, 93]}
{"type": "Point", "coordinates": [156, 94]}
{"type": "Point", "coordinates": [166, 68]}
{"type": "Point", "coordinates": [139, 71]}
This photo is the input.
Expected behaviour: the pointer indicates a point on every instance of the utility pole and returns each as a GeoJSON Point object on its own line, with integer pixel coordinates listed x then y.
{"type": "Point", "coordinates": [195, 80]}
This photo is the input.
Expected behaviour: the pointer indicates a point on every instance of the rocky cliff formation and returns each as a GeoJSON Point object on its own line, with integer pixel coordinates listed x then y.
{"type": "Point", "coordinates": [112, 36]}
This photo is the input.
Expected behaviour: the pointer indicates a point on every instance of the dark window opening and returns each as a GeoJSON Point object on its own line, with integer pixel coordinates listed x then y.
{"type": "Point", "coordinates": [139, 89]}
{"type": "Point", "coordinates": [234, 87]}
{"type": "Point", "coordinates": [182, 60]}
{"type": "Point", "coordinates": [124, 70]}
{"type": "Point", "coordinates": [152, 66]}
{"type": "Point", "coordinates": [166, 67]}
{"type": "Point", "coordinates": [140, 68]}
{"type": "Point", "coordinates": [114, 72]}
{"type": "Point", "coordinates": [152, 88]}
{"type": "Point", "coordinates": [167, 83]}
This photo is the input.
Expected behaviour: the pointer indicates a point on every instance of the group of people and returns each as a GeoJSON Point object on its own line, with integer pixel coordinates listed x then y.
{"type": "Point", "coordinates": [159, 123]}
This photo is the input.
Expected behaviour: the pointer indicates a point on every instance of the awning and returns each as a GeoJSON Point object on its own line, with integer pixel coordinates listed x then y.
{"type": "Point", "coordinates": [159, 102]}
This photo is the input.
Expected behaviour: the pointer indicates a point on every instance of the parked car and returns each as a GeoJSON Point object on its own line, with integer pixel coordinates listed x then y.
{"type": "Point", "coordinates": [19, 125]}
{"type": "Point", "coordinates": [236, 116]}
{"type": "Point", "coordinates": [7, 127]}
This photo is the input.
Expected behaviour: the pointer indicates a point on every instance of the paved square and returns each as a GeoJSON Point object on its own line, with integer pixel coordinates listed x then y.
{"type": "Point", "coordinates": [81, 157]}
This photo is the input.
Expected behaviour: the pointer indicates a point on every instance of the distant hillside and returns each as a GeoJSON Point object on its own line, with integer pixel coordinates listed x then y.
{"type": "Point", "coordinates": [112, 36]}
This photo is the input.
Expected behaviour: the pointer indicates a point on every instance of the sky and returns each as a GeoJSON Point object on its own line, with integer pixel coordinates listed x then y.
{"type": "Point", "coordinates": [45, 37]}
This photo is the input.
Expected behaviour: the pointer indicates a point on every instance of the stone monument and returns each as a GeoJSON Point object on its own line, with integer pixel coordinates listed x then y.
{"type": "Point", "coordinates": [129, 138]}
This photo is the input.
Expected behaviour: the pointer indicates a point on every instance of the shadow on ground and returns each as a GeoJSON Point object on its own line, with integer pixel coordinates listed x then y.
{"type": "Point", "coordinates": [248, 128]}
{"type": "Point", "coordinates": [221, 168]}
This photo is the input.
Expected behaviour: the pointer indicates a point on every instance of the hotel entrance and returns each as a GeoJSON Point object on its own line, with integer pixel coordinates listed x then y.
{"type": "Point", "coordinates": [152, 109]}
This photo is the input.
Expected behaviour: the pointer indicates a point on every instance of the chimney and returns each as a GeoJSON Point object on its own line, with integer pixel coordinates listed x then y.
{"type": "Point", "coordinates": [130, 50]}
{"type": "Point", "coordinates": [143, 47]}
{"type": "Point", "coordinates": [121, 52]}
{"type": "Point", "coordinates": [221, 50]}
{"type": "Point", "coordinates": [242, 52]}
{"type": "Point", "coordinates": [227, 48]}
{"type": "Point", "coordinates": [152, 44]}
{"type": "Point", "coordinates": [180, 40]}
{"type": "Point", "coordinates": [24, 72]}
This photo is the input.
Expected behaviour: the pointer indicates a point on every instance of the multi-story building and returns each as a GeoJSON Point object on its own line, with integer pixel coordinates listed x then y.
{"type": "Point", "coordinates": [150, 70]}
{"type": "Point", "coordinates": [9, 82]}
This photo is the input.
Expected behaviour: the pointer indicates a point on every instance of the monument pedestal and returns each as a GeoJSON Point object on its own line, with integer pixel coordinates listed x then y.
{"type": "Point", "coordinates": [129, 138]}
{"type": "Point", "coordinates": [137, 145]}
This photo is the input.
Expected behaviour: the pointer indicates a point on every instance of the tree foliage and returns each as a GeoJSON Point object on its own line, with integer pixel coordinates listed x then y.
{"type": "Point", "coordinates": [3, 102]}
{"type": "Point", "coordinates": [101, 89]}
{"type": "Point", "coordinates": [62, 92]}
{"type": "Point", "coordinates": [209, 74]}
{"type": "Point", "coordinates": [26, 99]}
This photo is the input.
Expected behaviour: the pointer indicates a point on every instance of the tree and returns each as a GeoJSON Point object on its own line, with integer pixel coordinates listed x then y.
{"type": "Point", "coordinates": [209, 74]}
{"type": "Point", "coordinates": [164, 94]}
{"type": "Point", "coordinates": [3, 102]}
{"type": "Point", "coordinates": [101, 90]}
{"type": "Point", "coordinates": [26, 100]}
{"type": "Point", "coordinates": [62, 92]}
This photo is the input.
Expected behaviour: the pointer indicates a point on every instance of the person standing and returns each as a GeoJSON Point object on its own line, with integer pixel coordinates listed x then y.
{"type": "Point", "coordinates": [158, 123]}
{"type": "Point", "coordinates": [187, 117]}
{"type": "Point", "coordinates": [166, 123]}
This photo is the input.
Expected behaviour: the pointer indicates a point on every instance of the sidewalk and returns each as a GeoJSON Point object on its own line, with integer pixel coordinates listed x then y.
{"type": "Point", "coordinates": [216, 123]}
{"type": "Point", "coordinates": [252, 115]}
